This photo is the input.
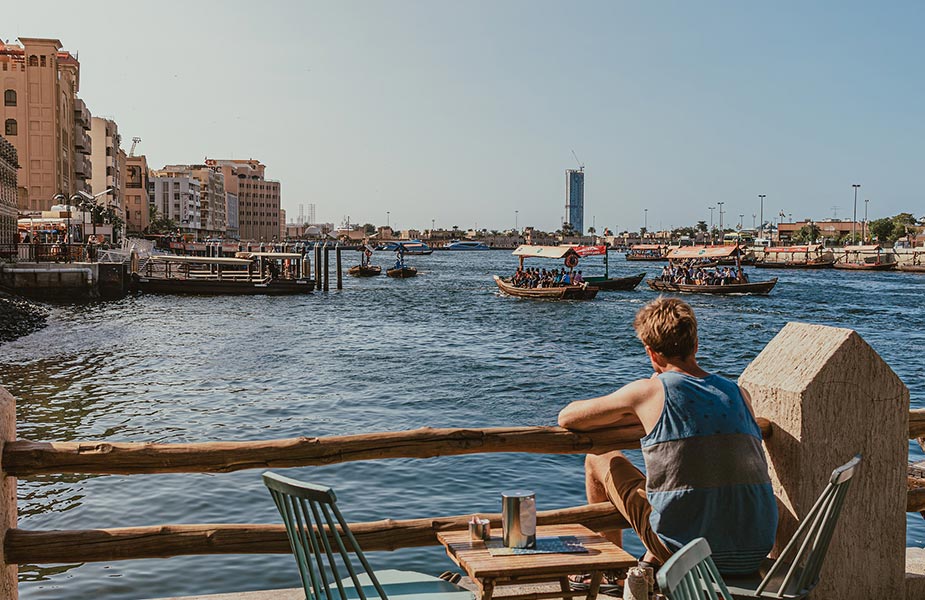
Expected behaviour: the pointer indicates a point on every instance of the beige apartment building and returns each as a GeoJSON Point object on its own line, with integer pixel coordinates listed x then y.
{"type": "Point", "coordinates": [213, 200]}
{"type": "Point", "coordinates": [108, 164]}
{"type": "Point", "coordinates": [44, 120]}
{"type": "Point", "coordinates": [8, 193]}
{"type": "Point", "coordinates": [135, 195]}
{"type": "Point", "coordinates": [258, 198]}
{"type": "Point", "coordinates": [177, 197]}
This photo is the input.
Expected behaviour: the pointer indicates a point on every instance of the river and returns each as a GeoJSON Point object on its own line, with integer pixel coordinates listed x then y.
{"type": "Point", "coordinates": [444, 349]}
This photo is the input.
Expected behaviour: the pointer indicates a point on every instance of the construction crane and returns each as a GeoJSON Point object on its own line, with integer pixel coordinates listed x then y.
{"type": "Point", "coordinates": [135, 141]}
{"type": "Point", "coordinates": [581, 166]}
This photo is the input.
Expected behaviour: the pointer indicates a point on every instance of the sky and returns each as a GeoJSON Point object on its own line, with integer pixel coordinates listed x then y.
{"type": "Point", "coordinates": [467, 113]}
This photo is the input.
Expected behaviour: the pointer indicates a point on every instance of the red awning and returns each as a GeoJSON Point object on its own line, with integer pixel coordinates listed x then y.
{"type": "Point", "coordinates": [703, 252]}
{"type": "Point", "coordinates": [591, 250]}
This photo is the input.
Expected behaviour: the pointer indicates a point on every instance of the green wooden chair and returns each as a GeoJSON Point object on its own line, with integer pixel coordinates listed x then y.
{"type": "Point", "coordinates": [691, 575]}
{"type": "Point", "coordinates": [322, 544]}
{"type": "Point", "coordinates": [796, 571]}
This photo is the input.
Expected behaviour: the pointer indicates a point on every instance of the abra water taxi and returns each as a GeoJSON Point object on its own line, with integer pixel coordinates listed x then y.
{"type": "Point", "coordinates": [248, 273]}
{"type": "Point", "coordinates": [810, 256]}
{"type": "Point", "coordinates": [400, 270]}
{"type": "Point", "coordinates": [365, 269]}
{"type": "Point", "coordinates": [683, 278]}
{"type": "Point", "coordinates": [865, 258]}
{"type": "Point", "coordinates": [582, 291]}
{"type": "Point", "coordinates": [605, 282]}
{"type": "Point", "coordinates": [647, 252]}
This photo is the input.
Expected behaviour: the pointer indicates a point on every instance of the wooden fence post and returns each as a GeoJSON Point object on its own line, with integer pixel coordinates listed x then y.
{"type": "Point", "coordinates": [339, 268]}
{"type": "Point", "coordinates": [829, 395]}
{"type": "Point", "coordinates": [9, 588]}
{"type": "Point", "coordinates": [317, 266]}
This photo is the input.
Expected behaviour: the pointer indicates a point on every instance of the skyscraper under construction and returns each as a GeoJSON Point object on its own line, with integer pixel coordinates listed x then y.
{"type": "Point", "coordinates": [575, 199]}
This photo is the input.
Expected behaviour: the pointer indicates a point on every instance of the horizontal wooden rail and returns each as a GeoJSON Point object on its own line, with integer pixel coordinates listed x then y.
{"type": "Point", "coordinates": [162, 541]}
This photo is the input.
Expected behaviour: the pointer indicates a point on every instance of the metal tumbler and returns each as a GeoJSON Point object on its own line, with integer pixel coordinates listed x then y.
{"type": "Point", "coordinates": [518, 518]}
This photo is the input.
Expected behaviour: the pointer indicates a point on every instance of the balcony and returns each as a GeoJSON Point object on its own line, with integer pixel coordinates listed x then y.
{"type": "Point", "coordinates": [81, 140]}
{"type": "Point", "coordinates": [81, 114]}
{"type": "Point", "coordinates": [82, 166]}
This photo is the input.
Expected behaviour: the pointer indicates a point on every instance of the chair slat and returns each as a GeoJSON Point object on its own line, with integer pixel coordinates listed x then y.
{"type": "Point", "coordinates": [325, 535]}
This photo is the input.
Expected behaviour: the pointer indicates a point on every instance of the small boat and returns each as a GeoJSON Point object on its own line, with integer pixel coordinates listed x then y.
{"type": "Point", "coordinates": [865, 258]}
{"type": "Point", "coordinates": [402, 272]}
{"type": "Point", "coordinates": [605, 283]}
{"type": "Point", "coordinates": [759, 287]}
{"type": "Point", "coordinates": [811, 256]}
{"type": "Point", "coordinates": [365, 269]}
{"type": "Point", "coordinates": [650, 252]}
{"type": "Point", "coordinates": [685, 255]}
{"type": "Point", "coordinates": [248, 273]}
{"type": "Point", "coordinates": [466, 245]}
{"type": "Point", "coordinates": [566, 292]}
{"type": "Point", "coordinates": [582, 291]}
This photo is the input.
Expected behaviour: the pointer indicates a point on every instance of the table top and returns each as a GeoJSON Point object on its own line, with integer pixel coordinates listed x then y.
{"type": "Point", "coordinates": [478, 562]}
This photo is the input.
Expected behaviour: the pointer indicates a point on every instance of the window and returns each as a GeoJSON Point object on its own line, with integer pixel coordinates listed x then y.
{"type": "Point", "coordinates": [43, 61]}
{"type": "Point", "coordinates": [10, 127]}
{"type": "Point", "coordinates": [33, 61]}
{"type": "Point", "coordinates": [9, 98]}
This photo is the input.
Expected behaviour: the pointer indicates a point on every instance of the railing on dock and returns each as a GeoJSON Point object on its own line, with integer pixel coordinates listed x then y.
{"type": "Point", "coordinates": [21, 458]}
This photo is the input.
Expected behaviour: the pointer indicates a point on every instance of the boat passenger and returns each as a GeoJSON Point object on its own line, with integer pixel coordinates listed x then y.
{"type": "Point", "coordinates": [691, 418]}
{"type": "Point", "coordinates": [566, 279]}
{"type": "Point", "coordinates": [578, 279]}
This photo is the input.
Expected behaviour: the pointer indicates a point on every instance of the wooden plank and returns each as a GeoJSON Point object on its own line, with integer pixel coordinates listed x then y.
{"type": "Point", "coordinates": [21, 458]}
{"type": "Point", "coordinates": [916, 423]}
{"type": "Point", "coordinates": [163, 541]}
{"type": "Point", "coordinates": [9, 587]}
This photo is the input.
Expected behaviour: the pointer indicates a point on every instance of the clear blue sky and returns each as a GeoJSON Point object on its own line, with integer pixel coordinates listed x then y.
{"type": "Point", "coordinates": [465, 112]}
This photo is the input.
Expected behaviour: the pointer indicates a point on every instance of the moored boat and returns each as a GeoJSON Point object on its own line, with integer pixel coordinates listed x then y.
{"type": "Point", "coordinates": [365, 269]}
{"type": "Point", "coordinates": [411, 247]}
{"type": "Point", "coordinates": [402, 272]}
{"type": "Point", "coordinates": [466, 245]}
{"type": "Point", "coordinates": [810, 256]}
{"type": "Point", "coordinates": [249, 273]}
{"type": "Point", "coordinates": [914, 264]}
{"type": "Point", "coordinates": [865, 258]}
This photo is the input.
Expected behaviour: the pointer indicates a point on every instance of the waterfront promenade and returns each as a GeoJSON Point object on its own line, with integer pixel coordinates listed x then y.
{"type": "Point", "coordinates": [442, 350]}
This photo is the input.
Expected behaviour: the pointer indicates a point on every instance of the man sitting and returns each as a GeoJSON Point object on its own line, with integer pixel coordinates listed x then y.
{"type": "Point", "coordinates": [707, 472]}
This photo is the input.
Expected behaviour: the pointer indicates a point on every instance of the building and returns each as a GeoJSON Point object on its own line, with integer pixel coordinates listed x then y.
{"type": "Point", "coordinates": [177, 197]}
{"type": "Point", "coordinates": [136, 204]}
{"type": "Point", "coordinates": [575, 199]}
{"type": "Point", "coordinates": [231, 215]}
{"type": "Point", "coordinates": [8, 192]}
{"type": "Point", "coordinates": [830, 229]}
{"type": "Point", "coordinates": [282, 224]}
{"type": "Point", "coordinates": [258, 198]}
{"type": "Point", "coordinates": [213, 200]}
{"type": "Point", "coordinates": [108, 165]}
{"type": "Point", "coordinates": [44, 120]}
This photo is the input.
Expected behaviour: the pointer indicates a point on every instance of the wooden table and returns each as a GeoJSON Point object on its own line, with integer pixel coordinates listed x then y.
{"type": "Point", "coordinates": [489, 572]}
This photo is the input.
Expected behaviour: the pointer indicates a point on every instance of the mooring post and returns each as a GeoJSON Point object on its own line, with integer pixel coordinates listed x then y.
{"type": "Point", "coordinates": [317, 266]}
{"type": "Point", "coordinates": [327, 267]}
{"type": "Point", "coordinates": [830, 396]}
{"type": "Point", "coordinates": [339, 267]}
{"type": "Point", "coordinates": [9, 587]}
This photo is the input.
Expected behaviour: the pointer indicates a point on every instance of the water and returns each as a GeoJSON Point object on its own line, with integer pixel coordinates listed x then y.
{"type": "Point", "coordinates": [443, 350]}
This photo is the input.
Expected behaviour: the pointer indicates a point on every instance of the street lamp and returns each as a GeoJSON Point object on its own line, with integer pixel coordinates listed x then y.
{"type": "Point", "coordinates": [646, 220]}
{"type": "Point", "coordinates": [711, 209]}
{"type": "Point", "coordinates": [741, 216]}
{"type": "Point", "coordinates": [721, 216]}
{"type": "Point", "coordinates": [761, 198]}
{"type": "Point", "coordinates": [388, 217]}
{"type": "Point", "coordinates": [516, 224]}
{"type": "Point", "coordinates": [866, 229]}
{"type": "Point", "coordinates": [854, 221]}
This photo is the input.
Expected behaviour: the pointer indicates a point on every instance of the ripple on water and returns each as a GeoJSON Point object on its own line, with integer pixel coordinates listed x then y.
{"type": "Point", "coordinates": [443, 350]}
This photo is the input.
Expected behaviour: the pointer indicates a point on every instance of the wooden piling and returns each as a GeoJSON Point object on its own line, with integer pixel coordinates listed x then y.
{"type": "Point", "coordinates": [317, 267]}
{"type": "Point", "coordinates": [339, 267]}
{"type": "Point", "coordinates": [9, 587]}
{"type": "Point", "coordinates": [327, 268]}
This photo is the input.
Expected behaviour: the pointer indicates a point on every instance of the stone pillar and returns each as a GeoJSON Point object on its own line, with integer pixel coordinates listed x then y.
{"type": "Point", "coordinates": [829, 396]}
{"type": "Point", "coordinates": [9, 588]}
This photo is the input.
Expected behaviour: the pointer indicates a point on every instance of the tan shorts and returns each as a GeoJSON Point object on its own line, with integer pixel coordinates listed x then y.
{"type": "Point", "coordinates": [626, 488]}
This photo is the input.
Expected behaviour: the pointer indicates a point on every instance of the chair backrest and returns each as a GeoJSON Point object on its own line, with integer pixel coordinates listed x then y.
{"type": "Point", "coordinates": [317, 532]}
{"type": "Point", "coordinates": [806, 550]}
{"type": "Point", "coordinates": [691, 575]}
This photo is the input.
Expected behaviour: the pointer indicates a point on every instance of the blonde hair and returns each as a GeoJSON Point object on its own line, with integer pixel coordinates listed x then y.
{"type": "Point", "coordinates": [667, 326]}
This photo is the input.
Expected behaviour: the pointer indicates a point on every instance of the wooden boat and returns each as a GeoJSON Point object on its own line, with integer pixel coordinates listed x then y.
{"type": "Point", "coordinates": [758, 287]}
{"type": "Point", "coordinates": [607, 283]}
{"type": "Point", "coordinates": [249, 273]}
{"type": "Point", "coordinates": [913, 264]}
{"type": "Point", "coordinates": [402, 272]}
{"type": "Point", "coordinates": [651, 252]}
{"type": "Point", "coordinates": [912, 268]}
{"type": "Point", "coordinates": [865, 258]}
{"type": "Point", "coordinates": [365, 270]}
{"type": "Point", "coordinates": [565, 292]}
{"type": "Point", "coordinates": [811, 256]}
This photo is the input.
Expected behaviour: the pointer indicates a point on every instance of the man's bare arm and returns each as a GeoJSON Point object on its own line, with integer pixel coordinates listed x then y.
{"type": "Point", "coordinates": [616, 408]}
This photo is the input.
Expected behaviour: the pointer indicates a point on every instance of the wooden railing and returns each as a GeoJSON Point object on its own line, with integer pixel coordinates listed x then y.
{"type": "Point", "coordinates": [21, 458]}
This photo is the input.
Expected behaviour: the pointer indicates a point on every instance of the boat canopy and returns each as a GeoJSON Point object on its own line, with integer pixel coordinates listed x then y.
{"type": "Point", "coordinates": [279, 255]}
{"type": "Point", "coordinates": [545, 251]}
{"type": "Point", "coordinates": [201, 260]}
{"type": "Point", "coordinates": [797, 249]}
{"type": "Point", "coordinates": [591, 250]}
{"type": "Point", "coordinates": [874, 248]}
{"type": "Point", "coordinates": [648, 247]}
{"type": "Point", "coordinates": [703, 252]}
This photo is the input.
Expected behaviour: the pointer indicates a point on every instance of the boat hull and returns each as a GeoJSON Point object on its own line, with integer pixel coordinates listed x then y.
{"type": "Point", "coordinates": [361, 271]}
{"type": "Point", "coordinates": [859, 267]}
{"type": "Point", "coordinates": [646, 258]}
{"type": "Point", "coordinates": [616, 284]}
{"type": "Point", "coordinates": [402, 273]}
{"type": "Point", "coordinates": [214, 287]}
{"type": "Point", "coordinates": [758, 287]}
{"type": "Point", "coordinates": [912, 268]}
{"type": "Point", "coordinates": [793, 265]}
{"type": "Point", "coordinates": [571, 292]}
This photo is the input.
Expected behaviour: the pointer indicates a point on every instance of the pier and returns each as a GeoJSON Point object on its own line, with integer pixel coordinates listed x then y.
{"type": "Point", "coordinates": [823, 394]}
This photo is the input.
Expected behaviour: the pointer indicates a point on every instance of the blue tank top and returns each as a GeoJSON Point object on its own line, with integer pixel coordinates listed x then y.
{"type": "Point", "coordinates": [707, 475]}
